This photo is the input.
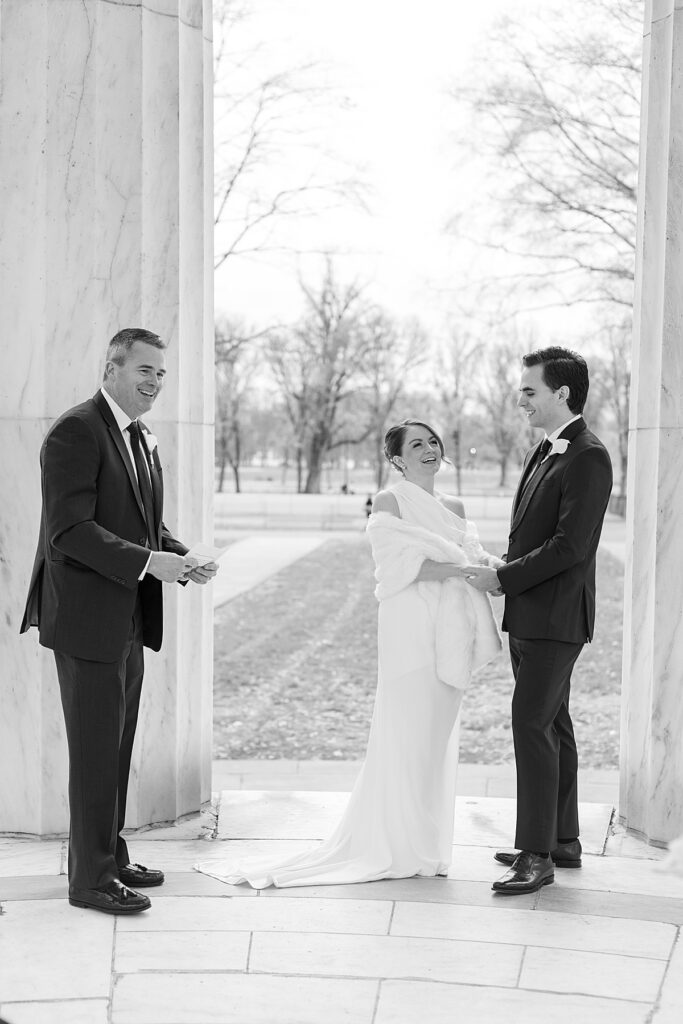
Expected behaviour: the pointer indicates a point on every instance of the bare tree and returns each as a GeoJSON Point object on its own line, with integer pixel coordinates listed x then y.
{"type": "Point", "coordinates": [556, 107]}
{"type": "Point", "coordinates": [455, 386]}
{"type": "Point", "coordinates": [611, 382]}
{"type": "Point", "coordinates": [394, 351]}
{"type": "Point", "coordinates": [267, 117]}
{"type": "Point", "coordinates": [236, 359]}
{"type": "Point", "coordinates": [317, 366]}
{"type": "Point", "coordinates": [498, 397]}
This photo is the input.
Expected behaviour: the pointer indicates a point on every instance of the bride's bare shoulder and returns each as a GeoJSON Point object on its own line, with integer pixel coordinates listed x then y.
{"type": "Point", "coordinates": [453, 504]}
{"type": "Point", "coordinates": [385, 501]}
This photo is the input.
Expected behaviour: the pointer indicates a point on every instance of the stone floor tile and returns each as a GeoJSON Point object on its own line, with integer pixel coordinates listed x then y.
{"type": "Point", "coordinates": [51, 950]}
{"type": "Point", "coordinates": [368, 917]}
{"type": "Point", "coordinates": [489, 821]}
{"type": "Point", "coordinates": [610, 904]}
{"type": "Point", "coordinates": [670, 1004]}
{"type": "Point", "coordinates": [33, 887]}
{"type": "Point", "coordinates": [500, 787]}
{"type": "Point", "coordinates": [364, 956]}
{"type": "Point", "coordinates": [181, 951]}
{"type": "Point", "coordinates": [426, 890]}
{"type": "Point", "coordinates": [319, 767]}
{"type": "Point", "coordinates": [621, 844]}
{"type": "Point", "coordinates": [534, 928]}
{"type": "Point", "coordinates": [339, 782]}
{"type": "Point", "coordinates": [619, 874]}
{"type": "Point", "coordinates": [62, 1011]}
{"type": "Point", "coordinates": [31, 856]}
{"type": "Point", "coordinates": [254, 814]}
{"type": "Point", "coordinates": [593, 974]}
{"type": "Point", "coordinates": [404, 1002]}
{"type": "Point", "coordinates": [192, 883]}
{"type": "Point", "coordinates": [241, 999]}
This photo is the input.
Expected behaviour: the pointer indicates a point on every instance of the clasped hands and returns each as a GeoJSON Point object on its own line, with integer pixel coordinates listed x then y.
{"type": "Point", "coordinates": [483, 578]}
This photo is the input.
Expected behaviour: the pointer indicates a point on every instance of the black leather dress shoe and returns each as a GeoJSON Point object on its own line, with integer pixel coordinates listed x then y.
{"type": "Point", "coordinates": [140, 876]}
{"type": "Point", "coordinates": [112, 898]}
{"type": "Point", "coordinates": [528, 873]}
{"type": "Point", "coordinates": [565, 855]}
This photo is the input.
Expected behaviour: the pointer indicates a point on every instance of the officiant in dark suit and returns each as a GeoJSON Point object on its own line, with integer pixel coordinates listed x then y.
{"type": "Point", "coordinates": [549, 586]}
{"type": "Point", "coordinates": [96, 596]}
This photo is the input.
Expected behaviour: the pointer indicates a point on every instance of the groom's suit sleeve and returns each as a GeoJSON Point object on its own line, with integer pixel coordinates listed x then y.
{"type": "Point", "coordinates": [585, 491]}
{"type": "Point", "coordinates": [72, 460]}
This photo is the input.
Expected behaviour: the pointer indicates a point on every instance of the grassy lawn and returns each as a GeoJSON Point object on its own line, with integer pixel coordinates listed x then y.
{"type": "Point", "coordinates": [296, 666]}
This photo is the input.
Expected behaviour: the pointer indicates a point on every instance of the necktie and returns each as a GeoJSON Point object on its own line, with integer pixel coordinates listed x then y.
{"type": "Point", "coordinates": [535, 462]}
{"type": "Point", "coordinates": [143, 482]}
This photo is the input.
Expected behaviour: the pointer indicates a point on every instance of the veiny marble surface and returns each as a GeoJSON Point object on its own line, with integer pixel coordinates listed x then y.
{"type": "Point", "coordinates": [107, 223]}
{"type": "Point", "coordinates": [651, 797]}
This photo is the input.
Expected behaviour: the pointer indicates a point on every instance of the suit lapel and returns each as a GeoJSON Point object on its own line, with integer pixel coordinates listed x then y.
{"type": "Point", "coordinates": [524, 496]}
{"type": "Point", "coordinates": [120, 445]}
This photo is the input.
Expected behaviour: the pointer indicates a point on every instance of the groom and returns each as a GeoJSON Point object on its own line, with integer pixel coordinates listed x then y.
{"type": "Point", "coordinates": [549, 586]}
{"type": "Point", "coordinates": [95, 594]}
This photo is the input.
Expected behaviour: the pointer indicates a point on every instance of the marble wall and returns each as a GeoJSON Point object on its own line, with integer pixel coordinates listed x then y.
{"type": "Point", "coordinates": [106, 198]}
{"type": "Point", "coordinates": [651, 791]}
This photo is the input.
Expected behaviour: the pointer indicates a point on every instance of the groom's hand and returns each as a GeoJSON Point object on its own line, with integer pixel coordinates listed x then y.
{"type": "Point", "coordinates": [483, 578]}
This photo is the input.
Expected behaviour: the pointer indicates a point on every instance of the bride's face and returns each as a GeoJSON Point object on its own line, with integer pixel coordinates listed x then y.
{"type": "Point", "coordinates": [420, 456]}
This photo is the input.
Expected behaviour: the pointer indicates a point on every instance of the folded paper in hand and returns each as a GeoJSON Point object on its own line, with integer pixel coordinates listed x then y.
{"type": "Point", "coordinates": [204, 553]}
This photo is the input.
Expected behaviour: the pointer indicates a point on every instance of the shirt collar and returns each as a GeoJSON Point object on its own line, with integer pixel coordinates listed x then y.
{"type": "Point", "coordinates": [122, 418]}
{"type": "Point", "coordinates": [556, 433]}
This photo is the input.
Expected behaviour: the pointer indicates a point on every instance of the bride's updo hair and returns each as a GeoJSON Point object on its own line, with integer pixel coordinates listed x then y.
{"type": "Point", "coordinates": [396, 435]}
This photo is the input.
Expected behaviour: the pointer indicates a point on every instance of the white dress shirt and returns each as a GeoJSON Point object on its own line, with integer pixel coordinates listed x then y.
{"type": "Point", "coordinates": [556, 433]}
{"type": "Point", "coordinates": [123, 421]}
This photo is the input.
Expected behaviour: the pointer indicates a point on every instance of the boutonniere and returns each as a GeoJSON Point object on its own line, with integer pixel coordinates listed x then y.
{"type": "Point", "coordinates": [150, 441]}
{"type": "Point", "coordinates": [558, 447]}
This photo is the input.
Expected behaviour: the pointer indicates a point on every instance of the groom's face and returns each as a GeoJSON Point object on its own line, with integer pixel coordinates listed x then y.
{"type": "Point", "coordinates": [542, 406]}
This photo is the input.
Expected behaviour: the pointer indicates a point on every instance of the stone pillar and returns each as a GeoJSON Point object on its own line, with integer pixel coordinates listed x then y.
{"type": "Point", "coordinates": [105, 199]}
{"type": "Point", "coordinates": [651, 792]}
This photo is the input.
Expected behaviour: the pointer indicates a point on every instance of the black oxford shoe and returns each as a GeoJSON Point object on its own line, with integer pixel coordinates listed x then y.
{"type": "Point", "coordinates": [565, 855]}
{"type": "Point", "coordinates": [112, 898]}
{"type": "Point", "coordinates": [528, 873]}
{"type": "Point", "coordinates": [139, 876]}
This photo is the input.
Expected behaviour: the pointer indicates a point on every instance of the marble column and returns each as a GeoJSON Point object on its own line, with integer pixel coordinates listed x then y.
{"type": "Point", "coordinates": [651, 791]}
{"type": "Point", "coordinates": [105, 197]}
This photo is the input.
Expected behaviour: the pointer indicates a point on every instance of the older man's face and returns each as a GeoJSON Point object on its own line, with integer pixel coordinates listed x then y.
{"type": "Point", "coordinates": [135, 385]}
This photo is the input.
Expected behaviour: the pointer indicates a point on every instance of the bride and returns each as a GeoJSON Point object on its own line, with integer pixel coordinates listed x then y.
{"type": "Point", "coordinates": [434, 632]}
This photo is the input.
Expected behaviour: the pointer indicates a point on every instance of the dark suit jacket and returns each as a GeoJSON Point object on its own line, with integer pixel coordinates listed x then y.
{"type": "Point", "coordinates": [549, 578]}
{"type": "Point", "coordinates": [92, 545]}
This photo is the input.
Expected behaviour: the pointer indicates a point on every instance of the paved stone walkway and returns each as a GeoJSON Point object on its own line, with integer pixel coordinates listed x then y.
{"type": "Point", "coordinates": [601, 944]}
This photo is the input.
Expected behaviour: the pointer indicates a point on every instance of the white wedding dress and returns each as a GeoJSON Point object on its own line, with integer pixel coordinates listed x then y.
{"type": "Point", "coordinates": [399, 818]}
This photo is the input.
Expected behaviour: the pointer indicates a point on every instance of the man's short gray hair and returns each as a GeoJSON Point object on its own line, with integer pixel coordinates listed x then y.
{"type": "Point", "coordinates": [121, 344]}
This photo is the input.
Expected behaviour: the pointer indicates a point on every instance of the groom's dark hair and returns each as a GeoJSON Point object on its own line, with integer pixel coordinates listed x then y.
{"type": "Point", "coordinates": [563, 368]}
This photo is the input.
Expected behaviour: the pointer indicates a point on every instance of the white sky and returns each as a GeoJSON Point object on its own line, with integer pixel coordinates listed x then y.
{"type": "Point", "coordinates": [395, 59]}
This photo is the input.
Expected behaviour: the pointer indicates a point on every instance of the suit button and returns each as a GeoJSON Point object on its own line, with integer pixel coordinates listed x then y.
{"type": "Point", "coordinates": [143, 541]}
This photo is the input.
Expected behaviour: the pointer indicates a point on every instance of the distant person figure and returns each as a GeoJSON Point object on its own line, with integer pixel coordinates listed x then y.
{"type": "Point", "coordinates": [95, 594]}
{"type": "Point", "coordinates": [433, 632]}
{"type": "Point", "coordinates": [368, 506]}
{"type": "Point", "coordinates": [549, 584]}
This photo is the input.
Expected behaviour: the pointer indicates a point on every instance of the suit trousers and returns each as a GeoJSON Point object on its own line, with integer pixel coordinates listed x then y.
{"type": "Point", "coordinates": [545, 749]}
{"type": "Point", "coordinates": [100, 702]}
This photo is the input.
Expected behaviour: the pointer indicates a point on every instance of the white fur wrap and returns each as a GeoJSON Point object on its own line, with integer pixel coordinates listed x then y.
{"type": "Point", "coordinates": [465, 633]}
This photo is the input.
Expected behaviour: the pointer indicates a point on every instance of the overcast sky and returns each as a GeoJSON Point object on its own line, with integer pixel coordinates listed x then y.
{"type": "Point", "coordinates": [395, 60]}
